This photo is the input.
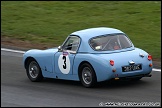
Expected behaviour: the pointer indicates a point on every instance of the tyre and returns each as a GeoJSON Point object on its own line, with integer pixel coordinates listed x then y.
{"type": "Point", "coordinates": [87, 75]}
{"type": "Point", "coordinates": [33, 71]}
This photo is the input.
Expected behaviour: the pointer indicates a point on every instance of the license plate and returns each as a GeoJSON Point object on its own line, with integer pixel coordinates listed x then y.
{"type": "Point", "coordinates": [131, 68]}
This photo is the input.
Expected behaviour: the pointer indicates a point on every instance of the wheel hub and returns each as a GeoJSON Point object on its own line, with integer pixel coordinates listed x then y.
{"type": "Point", "coordinates": [33, 69]}
{"type": "Point", "coordinates": [86, 75]}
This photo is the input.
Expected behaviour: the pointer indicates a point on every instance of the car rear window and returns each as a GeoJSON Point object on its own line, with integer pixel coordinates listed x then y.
{"type": "Point", "coordinates": [110, 42]}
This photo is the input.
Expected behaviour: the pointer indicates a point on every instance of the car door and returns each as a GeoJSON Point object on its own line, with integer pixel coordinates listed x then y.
{"type": "Point", "coordinates": [65, 56]}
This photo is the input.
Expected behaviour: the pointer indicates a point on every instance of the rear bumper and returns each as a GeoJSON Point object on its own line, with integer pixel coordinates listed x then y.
{"type": "Point", "coordinates": [135, 76]}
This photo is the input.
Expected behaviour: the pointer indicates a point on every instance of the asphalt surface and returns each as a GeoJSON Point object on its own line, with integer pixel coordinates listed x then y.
{"type": "Point", "coordinates": [18, 91]}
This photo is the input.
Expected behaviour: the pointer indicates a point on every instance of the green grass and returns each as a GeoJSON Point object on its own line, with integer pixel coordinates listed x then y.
{"type": "Point", "coordinates": [52, 21]}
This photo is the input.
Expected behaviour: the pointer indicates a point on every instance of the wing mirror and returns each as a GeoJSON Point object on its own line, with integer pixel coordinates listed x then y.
{"type": "Point", "coordinates": [59, 48]}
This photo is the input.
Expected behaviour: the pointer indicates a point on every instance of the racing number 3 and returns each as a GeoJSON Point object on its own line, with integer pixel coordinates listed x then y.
{"type": "Point", "coordinates": [64, 58]}
{"type": "Point", "coordinates": [64, 64]}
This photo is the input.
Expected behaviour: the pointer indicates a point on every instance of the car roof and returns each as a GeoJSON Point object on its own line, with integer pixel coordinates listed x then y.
{"type": "Point", "coordinates": [93, 32]}
{"type": "Point", "coordinates": [87, 34]}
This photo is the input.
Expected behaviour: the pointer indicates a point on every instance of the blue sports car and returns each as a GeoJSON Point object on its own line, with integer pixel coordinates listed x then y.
{"type": "Point", "coordinates": [90, 56]}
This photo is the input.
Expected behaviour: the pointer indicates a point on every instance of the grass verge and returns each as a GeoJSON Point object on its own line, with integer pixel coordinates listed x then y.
{"type": "Point", "coordinates": [50, 22]}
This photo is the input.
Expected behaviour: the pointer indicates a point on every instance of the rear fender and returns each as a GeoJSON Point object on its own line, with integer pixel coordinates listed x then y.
{"type": "Point", "coordinates": [100, 65]}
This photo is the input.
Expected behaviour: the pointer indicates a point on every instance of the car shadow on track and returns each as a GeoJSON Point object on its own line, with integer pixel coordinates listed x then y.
{"type": "Point", "coordinates": [110, 84]}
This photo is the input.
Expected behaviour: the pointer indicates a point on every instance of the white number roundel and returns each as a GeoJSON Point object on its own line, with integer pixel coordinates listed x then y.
{"type": "Point", "coordinates": [64, 64]}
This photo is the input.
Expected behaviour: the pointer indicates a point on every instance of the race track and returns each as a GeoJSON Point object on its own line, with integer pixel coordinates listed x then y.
{"type": "Point", "coordinates": [17, 90]}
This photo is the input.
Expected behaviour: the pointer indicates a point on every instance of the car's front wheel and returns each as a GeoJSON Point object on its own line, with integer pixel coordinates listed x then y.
{"type": "Point", "coordinates": [87, 75]}
{"type": "Point", "coordinates": [33, 71]}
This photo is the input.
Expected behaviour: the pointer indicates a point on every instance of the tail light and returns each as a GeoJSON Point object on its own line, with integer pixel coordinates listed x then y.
{"type": "Point", "coordinates": [111, 62]}
{"type": "Point", "coordinates": [149, 57]}
{"type": "Point", "coordinates": [150, 64]}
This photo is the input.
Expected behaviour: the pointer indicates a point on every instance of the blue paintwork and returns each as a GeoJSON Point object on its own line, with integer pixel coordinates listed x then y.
{"type": "Point", "coordinates": [48, 59]}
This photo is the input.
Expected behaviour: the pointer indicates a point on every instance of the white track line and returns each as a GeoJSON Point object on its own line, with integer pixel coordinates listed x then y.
{"type": "Point", "coordinates": [159, 70]}
{"type": "Point", "coordinates": [10, 50]}
{"type": "Point", "coordinates": [17, 51]}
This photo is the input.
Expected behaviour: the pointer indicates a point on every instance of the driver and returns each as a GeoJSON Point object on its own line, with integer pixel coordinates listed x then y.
{"type": "Point", "coordinates": [116, 46]}
{"type": "Point", "coordinates": [113, 46]}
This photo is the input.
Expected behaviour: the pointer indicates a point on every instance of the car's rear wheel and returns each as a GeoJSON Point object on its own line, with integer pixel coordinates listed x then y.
{"type": "Point", "coordinates": [87, 75]}
{"type": "Point", "coordinates": [33, 70]}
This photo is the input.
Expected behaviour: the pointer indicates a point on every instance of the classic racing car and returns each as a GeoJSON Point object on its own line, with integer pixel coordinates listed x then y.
{"type": "Point", "coordinates": [90, 56]}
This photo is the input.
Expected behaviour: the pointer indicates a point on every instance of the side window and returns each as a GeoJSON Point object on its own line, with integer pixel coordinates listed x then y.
{"type": "Point", "coordinates": [125, 43]}
{"type": "Point", "coordinates": [72, 44]}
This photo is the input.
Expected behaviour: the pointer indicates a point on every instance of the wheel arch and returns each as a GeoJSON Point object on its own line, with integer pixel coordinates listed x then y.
{"type": "Point", "coordinates": [28, 59]}
{"type": "Point", "coordinates": [82, 64]}
{"type": "Point", "coordinates": [27, 62]}
{"type": "Point", "coordinates": [93, 81]}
